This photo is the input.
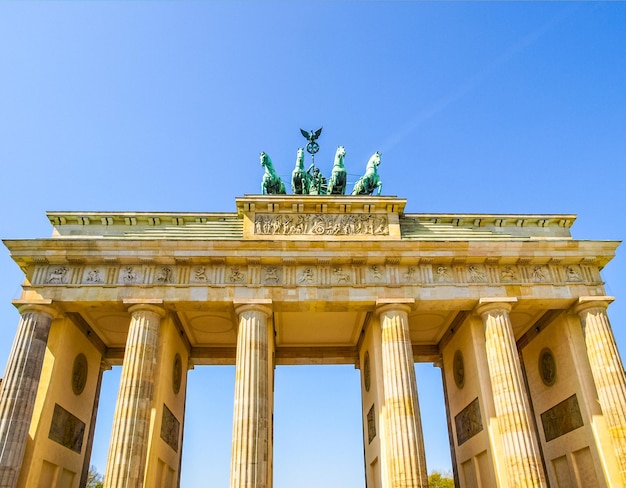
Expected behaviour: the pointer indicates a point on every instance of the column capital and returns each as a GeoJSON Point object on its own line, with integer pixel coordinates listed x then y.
{"type": "Point", "coordinates": [488, 304]}
{"type": "Point", "coordinates": [256, 305]}
{"type": "Point", "coordinates": [587, 302]}
{"type": "Point", "coordinates": [105, 365]}
{"type": "Point", "coordinates": [145, 307]}
{"type": "Point", "coordinates": [149, 305]}
{"type": "Point", "coordinates": [44, 307]}
{"type": "Point", "coordinates": [394, 304]}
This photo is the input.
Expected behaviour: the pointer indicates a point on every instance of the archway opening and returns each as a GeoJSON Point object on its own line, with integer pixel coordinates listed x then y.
{"type": "Point", "coordinates": [104, 420]}
{"type": "Point", "coordinates": [434, 421]}
{"type": "Point", "coordinates": [318, 437]}
{"type": "Point", "coordinates": [207, 437]}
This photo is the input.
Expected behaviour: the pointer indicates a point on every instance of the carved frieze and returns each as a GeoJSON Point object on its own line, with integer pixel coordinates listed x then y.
{"type": "Point", "coordinates": [477, 274]}
{"type": "Point", "coordinates": [164, 275]}
{"type": "Point", "coordinates": [93, 276]}
{"type": "Point", "coordinates": [508, 274]}
{"type": "Point", "coordinates": [271, 275]}
{"type": "Point", "coordinates": [443, 274]}
{"type": "Point", "coordinates": [321, 224]}
{"type": "Point", "coordinates": [129, 275]}
{"type": "Point", "coordinates": [307, 275]}
{"type": "Point", "coordinates": [200, 275]}
{"type": "Point", "coordinates": [357, 272]}
{"type": "Point", "coordinates": [67, 429]}
{"type": "Point", "coordinates": [58, 276]}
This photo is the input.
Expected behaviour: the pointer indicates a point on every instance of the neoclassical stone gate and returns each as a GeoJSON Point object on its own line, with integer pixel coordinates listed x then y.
{"type": "Point", "coordinates": [510, 307]}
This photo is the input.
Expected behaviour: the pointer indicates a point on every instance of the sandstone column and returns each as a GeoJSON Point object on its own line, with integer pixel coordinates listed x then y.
{"type": "Point", "coordinates": [404, 458]}
{"type": "Point", "coordinates": [519, 442]}
{"type": "Point", "coordinates": [131, 424]}
{"type": "Point", "coordinates": [607, 370]}
{"type": "Point", "coordinates": [251, 461]}
{"type": "Point", "coordinates": [19, 388]}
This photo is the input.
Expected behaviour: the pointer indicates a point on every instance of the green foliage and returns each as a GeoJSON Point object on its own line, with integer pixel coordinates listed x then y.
{"type": "Point", "coordinates": [94, 479]}
{"type": "Point", "coordinates": [438, 480]}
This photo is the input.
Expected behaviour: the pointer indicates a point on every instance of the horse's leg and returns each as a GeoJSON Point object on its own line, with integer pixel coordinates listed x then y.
{"type": "Point", "coordinates": [380, 188]}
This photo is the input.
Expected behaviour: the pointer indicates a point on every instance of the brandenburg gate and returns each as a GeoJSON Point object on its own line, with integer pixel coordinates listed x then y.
{"type": "Point", "coordinates": [510, 307]}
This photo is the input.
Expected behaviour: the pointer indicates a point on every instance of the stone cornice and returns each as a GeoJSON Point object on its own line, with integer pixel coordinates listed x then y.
{"type": "Point", "coordinates": [109, 251]}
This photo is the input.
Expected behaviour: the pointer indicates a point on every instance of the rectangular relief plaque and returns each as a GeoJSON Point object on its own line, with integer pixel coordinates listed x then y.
{"type": "Point", "coordinates": [562, 418]}
{"type": "Point", "coordinates": [468, 422]}
{"type": "Point", "coordinates": [371, 425]}
{"type": "Point", "coordinates": [170, 427]}
{"type": "Point", "coordinates": [66, 429]}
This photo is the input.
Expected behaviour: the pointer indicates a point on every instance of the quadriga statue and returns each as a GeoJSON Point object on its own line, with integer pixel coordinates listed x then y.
{"type": "Point", "coordinates": [339, 176]}
{"type": "Point", "coordinates": [300, 179]}
{"type": "Point", "coordinates": [271, 184]}
{"type": "Point", "coordinates": [370, 181]}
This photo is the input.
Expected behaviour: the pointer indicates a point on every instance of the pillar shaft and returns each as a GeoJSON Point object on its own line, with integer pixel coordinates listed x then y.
{"type": "Point", "coordinates": [131, 424]}
{"type": "Point", "coordinates": [403, 442]}
{"type": "Point", "coordinates": [519, 442]}
{"type": "Point", "coordinates": [607, 370]}
{"type": "Point", "coordinates": [252, 416]}
{"type": "Point", "coordinates": [19, 389]}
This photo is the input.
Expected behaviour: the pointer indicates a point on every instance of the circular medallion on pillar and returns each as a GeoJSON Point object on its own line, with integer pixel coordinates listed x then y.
{"type": "Point", "coordinates": [458, 369]}
{"type": "Point", "coordinates": [366, 371]}
{"type": "Point", "coordinates": [547, 367]}
{"type": "Point", "coordinates": [177, 373]}
{"type": "Point", "coordinates": [79, 374]}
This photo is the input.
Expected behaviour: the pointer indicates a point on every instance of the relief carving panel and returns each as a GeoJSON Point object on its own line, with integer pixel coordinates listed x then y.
{"type": "Point", "coordinates": [371, 425]}
{"type": "Point", "coordinates": [468, 422]}
{"type": "Point", "coordinates": [562, 418]}
{"type": "Point", "coordinates": [170, 427]}
{"type": "Point", "coordinates": [66, 429]}
{"type": "Point", "coordinates": [321, 224]}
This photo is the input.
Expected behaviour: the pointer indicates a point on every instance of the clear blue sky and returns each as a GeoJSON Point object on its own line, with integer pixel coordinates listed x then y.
{"type": "Point", "coordinates": [490, 107]}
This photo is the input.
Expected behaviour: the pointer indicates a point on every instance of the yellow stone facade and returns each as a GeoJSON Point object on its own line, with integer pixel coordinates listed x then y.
{"type": "Point", "coordinates": [510, 307]}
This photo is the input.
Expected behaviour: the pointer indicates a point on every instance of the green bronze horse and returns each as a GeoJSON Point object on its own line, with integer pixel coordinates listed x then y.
{"type": "Point", "coordinates": [271, 184]}
{"type": "Point", "coordinates": [300, 179]}
{"type": "Point", "coordinates": [339, 175]}
{"type": "Point", "coordinates": [370, 181]}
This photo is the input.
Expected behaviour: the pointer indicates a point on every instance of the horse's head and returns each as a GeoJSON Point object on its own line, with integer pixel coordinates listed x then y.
{"type": "Point", "coordinates": [374, 160]}
{"type": "Point", "coordinates": [265, 160]}
{"type": "Point", "coordinates": [340, 155]}
{"type": "Point", "coordinates": [300, 159]}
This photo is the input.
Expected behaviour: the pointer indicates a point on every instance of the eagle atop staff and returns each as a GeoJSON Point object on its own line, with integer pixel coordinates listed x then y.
{"type": "Point", "coordinates": [312, 135]}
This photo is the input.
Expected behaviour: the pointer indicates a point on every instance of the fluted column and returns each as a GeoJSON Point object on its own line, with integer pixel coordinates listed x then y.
{"type": "Point", "coordinates": [19, 388]}
{"type": "Point", "coordinates": [252, 416]}
{"type": "Point", "coordinates": [519, 442]}
{"type": "Point", "coordinates": [607, 370]}
{"type": "Point", "coordinates": [404, 441]}
{"type": "Point", "coordinates": [131, 424]}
